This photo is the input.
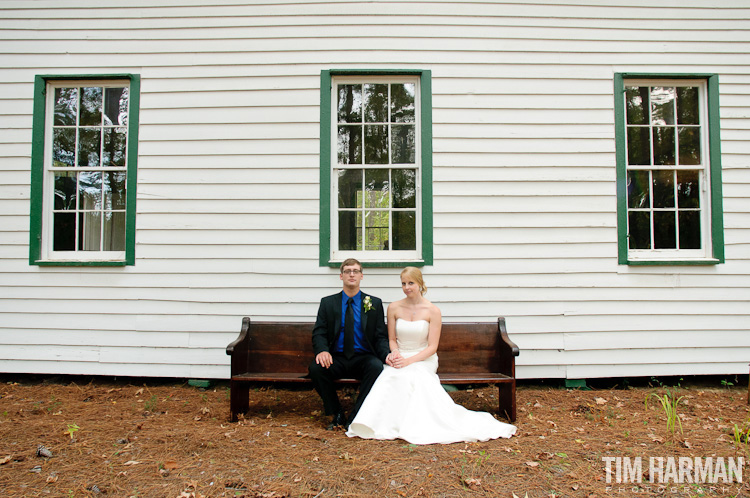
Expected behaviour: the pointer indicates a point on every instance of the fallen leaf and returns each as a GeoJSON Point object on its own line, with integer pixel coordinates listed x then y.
{"type": "Point", "coordinates": [5, 460]}
{"type": "Point", "coordinates": [532, 464]}
{"type": "Point", "coordinates": [139, 392]}
{"type": "Point", "coordinates": [131, 462]}
{"type": "Point", "coordinates": [656, 438]}
{"type": "Point", "coordinates": [473, 483]}
{"type": "Point", "coordinates": [170, 465]}
{"type": "Point", "coordinates": [600, 401]}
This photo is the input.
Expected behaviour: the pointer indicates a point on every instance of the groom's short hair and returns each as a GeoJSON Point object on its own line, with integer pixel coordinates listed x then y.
{"type": "Point", "coordinates": [349, 262]}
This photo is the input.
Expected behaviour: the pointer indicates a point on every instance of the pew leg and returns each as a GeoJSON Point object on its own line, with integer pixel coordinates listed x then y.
{"type": "Point", "coordinates": [507, 400]}
{"type": "Point", "coordinates": [239, 399]}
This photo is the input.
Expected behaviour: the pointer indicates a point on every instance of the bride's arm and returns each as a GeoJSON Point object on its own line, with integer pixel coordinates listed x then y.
{"type": "Point", "coordinates": [392, 342]}
{"type": "Point", "coordinates": [433, 338]}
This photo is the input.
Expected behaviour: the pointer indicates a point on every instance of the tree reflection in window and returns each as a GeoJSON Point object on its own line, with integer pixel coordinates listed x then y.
{"type": "Point", "coordinates": [376, 129]}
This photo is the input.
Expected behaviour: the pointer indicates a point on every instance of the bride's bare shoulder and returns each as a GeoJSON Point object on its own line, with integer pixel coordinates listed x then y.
{"type": "Point", "coordinates": [396, 304]}
{"type": "Point", "coordinates": [434, 309]}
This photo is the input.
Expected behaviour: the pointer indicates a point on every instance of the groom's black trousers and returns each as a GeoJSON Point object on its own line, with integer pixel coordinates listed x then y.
{"type": "Point", "coordinates": [366, 367]}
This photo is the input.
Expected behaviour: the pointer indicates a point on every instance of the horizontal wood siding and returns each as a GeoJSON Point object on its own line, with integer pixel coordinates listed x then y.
{"type": "Point", "coordinates": [524, 178]}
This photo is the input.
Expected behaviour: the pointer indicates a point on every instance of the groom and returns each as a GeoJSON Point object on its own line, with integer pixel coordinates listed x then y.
{"type": "Point", "coordinates": [349, 340]}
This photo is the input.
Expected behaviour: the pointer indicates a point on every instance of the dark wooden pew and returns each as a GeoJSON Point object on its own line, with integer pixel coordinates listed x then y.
{"type": "Point", "coordinates": [469, 353]}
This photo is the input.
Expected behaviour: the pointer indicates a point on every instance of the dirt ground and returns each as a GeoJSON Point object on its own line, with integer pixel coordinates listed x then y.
{"type": "Point", "coordinates": [83, 436]}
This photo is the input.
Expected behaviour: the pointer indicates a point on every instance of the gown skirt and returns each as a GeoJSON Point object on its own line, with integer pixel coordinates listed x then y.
{"type": "Point", "coordinates": [410, 404]}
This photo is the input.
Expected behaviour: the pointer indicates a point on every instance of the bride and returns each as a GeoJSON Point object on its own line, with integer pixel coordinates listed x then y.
{"type": "Point", "coordinates": [407, 401]}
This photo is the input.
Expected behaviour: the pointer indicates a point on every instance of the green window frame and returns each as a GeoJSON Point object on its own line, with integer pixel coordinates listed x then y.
{"type": "Point", "coordinates": [81, 178]}
{"type": "Point", "coordinates": [329, 207]}
{"type": "Point", "coordinates": [651, 175]}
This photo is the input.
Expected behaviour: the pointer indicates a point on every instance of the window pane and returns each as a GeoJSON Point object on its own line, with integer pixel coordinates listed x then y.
{"type": "Point", "coordinates": [376, 231]}
{"type": "Point", "coordinates": [664, 145]}
{"type": "Point", "coordinates": [404, 231]}
{"type": "Point", "coordinates": [639, 230]}
{"type": "Point", "coordinates": [402, 102]}
{"type": "Point", "coordinates": [664, 230]}
{"type": "Point", "coordinates": [350, 145]}
{"type": "Point", "coordinates": [90, 231]}
{"type": "Point", "coordinates": [63, 147]}
{"type": "Point", "coordinates": [65, 190]}
{"type": "Point", "coordinates": [114, 190]}
{"type": "Point", "coordinates": [64, 232]}
{"type": "Point", "coordinates": [688, 189]}
{"type": "Point", "coordinates": [376, 103]}
{"type": "Point", "coordinates": [687, 105]}
{"type": "Point", "coordinates": [91, 106]}
{"type": "Point", "coordinates": [66, 106]}
{"type": "Point", "coordinates": [114, 231]}
{"type": "Point", "coordinates": [350, 188]}
{"type": "Point", "coordinates": [90, 190]}
{"type": "Point", "coordinates": [663, 185]}
{"type": "Point", "coordinates": [377, 188]}
{"type": "Point", "coordinates": [348, 230]}
{"type": "Point", "coordinates": [115, 142]}
{"type": "Point", "coordinates": [690, 145]}
{"type": "Point", "coordinates": [376, 144]}
{"type": "Point", "coordinates": [636, 99]}
{"type": "Point", "coordinates": [350, 104]}
{"type": "Point", "coordinates": [690, 230]}
{"type": "Point", "coordinates": [638, 189]}
{"type": "Point", "coordinates": [404, 188]}
{"type": "Point", "coordinates": [89, 146]}
{"type": "Point", "coordinates": [662, 105]}
{"type": "Point", "coordinates": [404, 144]}
{"type": "Point", "coordinates": [639, 145]}
{"type": "Point", "coordinates": [116, 106]}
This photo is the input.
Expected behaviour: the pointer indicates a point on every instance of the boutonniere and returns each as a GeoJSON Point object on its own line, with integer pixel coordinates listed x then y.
{"type": "Point", "coordinates": [367, 304]}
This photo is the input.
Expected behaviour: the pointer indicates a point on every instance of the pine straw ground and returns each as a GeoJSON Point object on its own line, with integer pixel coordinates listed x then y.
{"type": "Point", "coordinates": [157, 438]}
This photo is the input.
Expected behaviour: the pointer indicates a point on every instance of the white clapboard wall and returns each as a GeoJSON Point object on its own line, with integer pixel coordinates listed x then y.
{"type": "Point", "coordinates": [524, 178]}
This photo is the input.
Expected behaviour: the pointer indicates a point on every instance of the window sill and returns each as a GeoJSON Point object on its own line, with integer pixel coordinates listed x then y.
{"type": "Point", "coordinates": [60, 262]}
{"type": "Point", "coordinates": [685, 262]}
{"type": "Point", "coordinates": [381, 264]}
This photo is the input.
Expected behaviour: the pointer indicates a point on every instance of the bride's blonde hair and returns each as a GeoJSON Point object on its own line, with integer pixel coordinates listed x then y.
{"type": "Point", "coordinates": [415, 274]}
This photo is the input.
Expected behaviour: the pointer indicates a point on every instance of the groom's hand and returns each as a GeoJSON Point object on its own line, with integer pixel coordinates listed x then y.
{"type": "Point", "coordinates": [324, 359]}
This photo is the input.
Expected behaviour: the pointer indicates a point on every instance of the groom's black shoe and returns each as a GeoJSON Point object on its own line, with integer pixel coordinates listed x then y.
{"type": "Point", "coordinates": [339, 420]}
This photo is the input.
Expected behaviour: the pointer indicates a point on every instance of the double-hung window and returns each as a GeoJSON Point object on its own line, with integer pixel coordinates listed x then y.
{"type": "Point", "coordinates": [376, 167]}
{"type": "Point", "coordinates": [84, 154]}
{"type": "Point", "coordinates": [669, 169]}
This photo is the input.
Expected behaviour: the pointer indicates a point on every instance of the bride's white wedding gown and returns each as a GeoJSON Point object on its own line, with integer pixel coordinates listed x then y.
{"type": "Point", "coordinates": [409, 403]}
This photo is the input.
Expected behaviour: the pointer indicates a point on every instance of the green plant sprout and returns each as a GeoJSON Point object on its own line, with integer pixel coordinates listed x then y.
{"type": "Point", "coordinates": [72, 429]}
{"type": "Point", "coordinates": [669, 403]}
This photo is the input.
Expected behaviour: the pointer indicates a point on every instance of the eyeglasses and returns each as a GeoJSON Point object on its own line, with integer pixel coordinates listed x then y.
{"type": "Point", "coordinates": [351, 272]}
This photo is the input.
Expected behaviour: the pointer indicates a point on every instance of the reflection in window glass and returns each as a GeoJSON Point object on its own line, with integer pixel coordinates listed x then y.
{"type": "Point", "coordinates": [376, 134]}
{"type": "Point", "coordinates": [663, 141]}
{"type": "Point", "coordinates": [88, 168]}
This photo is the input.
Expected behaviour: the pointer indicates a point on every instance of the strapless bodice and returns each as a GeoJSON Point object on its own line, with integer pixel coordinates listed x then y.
{"type": "Point", "coordinates": [412, 336]}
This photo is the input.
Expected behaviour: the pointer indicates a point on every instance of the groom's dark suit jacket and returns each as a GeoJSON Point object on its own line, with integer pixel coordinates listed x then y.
{"type": "Point", "coordinates": [328, 326]}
